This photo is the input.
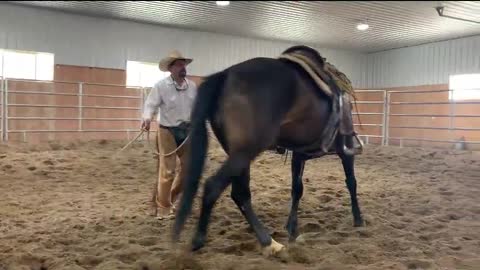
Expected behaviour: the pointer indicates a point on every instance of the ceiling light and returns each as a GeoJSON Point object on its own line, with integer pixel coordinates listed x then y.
{"type": "Point", "coordinates": [441, 11]}
{"type": "Point", "coordinates": [223, 3]}
{"type": "Point", "coordinates": [362, 26]}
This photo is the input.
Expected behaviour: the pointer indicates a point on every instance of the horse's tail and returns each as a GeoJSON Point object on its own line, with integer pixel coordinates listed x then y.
{"type": "Point", "coordinates": [208, 93]}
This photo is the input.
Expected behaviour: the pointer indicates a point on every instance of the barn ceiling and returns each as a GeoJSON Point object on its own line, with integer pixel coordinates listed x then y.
{"type": "Point", "coordinates": [393, 24]}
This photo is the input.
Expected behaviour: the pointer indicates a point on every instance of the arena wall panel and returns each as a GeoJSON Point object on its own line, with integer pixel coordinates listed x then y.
{"type": "Point", "coordinates": [104, 43]}
{"type": "Point", "coordinates": [428, 64]}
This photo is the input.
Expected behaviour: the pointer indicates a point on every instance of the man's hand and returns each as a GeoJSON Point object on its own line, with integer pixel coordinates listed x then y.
{"type": "Point", "coordinates": [146, 124]}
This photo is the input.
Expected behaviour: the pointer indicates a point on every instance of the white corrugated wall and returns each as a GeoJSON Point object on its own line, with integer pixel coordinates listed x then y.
{"type": "Point", "coordinates": [427, 64]}
{"type": "Point", "coordinates": [88, 41]}
{"type": "Point", "coordinates": [96, 42]}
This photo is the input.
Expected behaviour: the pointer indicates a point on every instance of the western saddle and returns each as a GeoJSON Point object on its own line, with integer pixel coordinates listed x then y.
{"type": "Point", "coordinates": [338, 87]}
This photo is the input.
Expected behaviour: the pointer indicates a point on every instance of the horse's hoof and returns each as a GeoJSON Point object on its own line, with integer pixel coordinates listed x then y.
{"type": "Point", "coordinates": [198, 243]}
{"type": "Point", "coordinates": [358, 223]}
{"type": "Point", "coordinates": [274, 249]}
{"type": "Point", "coordinates": [292, 235]}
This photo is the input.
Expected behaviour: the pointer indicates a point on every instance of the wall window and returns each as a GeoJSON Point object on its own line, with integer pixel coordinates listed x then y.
{"type": "Point", "coordinates": [26, 65]}
{"type": "Point", "coordinates": [143, 74]}
{"type": "Point", "coordinates": [465, 87]}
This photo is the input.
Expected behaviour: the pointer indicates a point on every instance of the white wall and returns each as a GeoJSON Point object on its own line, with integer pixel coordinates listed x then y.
{"type": "Point", "coordinates": [425, 64]}
{"type": "Point", "coordinates": [89, 41]}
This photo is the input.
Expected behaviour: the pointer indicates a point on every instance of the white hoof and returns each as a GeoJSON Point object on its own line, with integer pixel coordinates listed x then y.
{"type": "Point", "coordinates": [274, 249]}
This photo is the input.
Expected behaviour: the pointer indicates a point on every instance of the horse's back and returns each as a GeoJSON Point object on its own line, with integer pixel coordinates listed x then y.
{"type": "Point", "coordinates": [262, 70]}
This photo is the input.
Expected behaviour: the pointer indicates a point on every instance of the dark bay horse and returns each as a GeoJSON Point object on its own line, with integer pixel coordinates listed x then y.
{"type": "Point", "coordinates": [254, 106]}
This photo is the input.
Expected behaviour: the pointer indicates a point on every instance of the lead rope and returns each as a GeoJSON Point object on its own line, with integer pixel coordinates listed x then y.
{"type": "Point", "coordinates": [149, 144]}
{"type": "Point", "coordinates": [169, 154]}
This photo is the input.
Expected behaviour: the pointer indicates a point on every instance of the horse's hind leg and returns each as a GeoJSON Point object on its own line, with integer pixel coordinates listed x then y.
{"type": "Point", "coordinates": [349, 168]}
{"type": "Point", "coordinates": [213, 188]}
{"type": "Point", "coordinates": [298, 164]}
{"type": "Point", "coordinates": [236, 168]}
{"type": "Point", "coordinates": [242, 197]}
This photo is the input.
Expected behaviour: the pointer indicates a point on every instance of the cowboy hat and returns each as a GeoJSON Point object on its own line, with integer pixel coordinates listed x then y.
{"type": "Point", "coordinates": [172, 56]}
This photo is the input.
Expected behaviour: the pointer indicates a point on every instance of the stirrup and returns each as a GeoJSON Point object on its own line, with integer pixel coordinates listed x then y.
{"type": "Point", "coordinates": [360, 144]}
{"type": "Point", "coordinates": [358, 150]}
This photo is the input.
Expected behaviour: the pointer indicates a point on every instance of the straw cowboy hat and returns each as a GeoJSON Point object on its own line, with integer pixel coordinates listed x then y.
{"type": "Point", "coordinates": [172, 56]}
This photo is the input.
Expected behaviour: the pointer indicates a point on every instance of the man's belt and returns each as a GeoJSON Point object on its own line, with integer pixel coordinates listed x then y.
{"type": "Point", "coordinates": [180, 132]}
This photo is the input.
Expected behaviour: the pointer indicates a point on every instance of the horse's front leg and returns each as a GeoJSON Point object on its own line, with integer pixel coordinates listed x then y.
{"type": "Point", "coordinates": [298, 164]}
{"type": "Point", "coordinates": [349, 169]}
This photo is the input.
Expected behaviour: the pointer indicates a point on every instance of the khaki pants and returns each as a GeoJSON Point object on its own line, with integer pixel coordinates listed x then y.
{"type": "Point", "coordinates": [170, 176]}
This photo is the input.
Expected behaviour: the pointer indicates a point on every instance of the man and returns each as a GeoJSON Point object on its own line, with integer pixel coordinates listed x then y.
{"type": "Point", "coordinates": [174, 97]}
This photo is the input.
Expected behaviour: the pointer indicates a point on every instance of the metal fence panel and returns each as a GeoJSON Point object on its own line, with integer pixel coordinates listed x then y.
{"type": "Point", "coordinates": [2, 111]}
{"type": "Point", "coordinates": [452, 115]}
{"type": "Point", "coordinates": [379, 107]}
{"type": "Point", "coordinates": [80, 106]}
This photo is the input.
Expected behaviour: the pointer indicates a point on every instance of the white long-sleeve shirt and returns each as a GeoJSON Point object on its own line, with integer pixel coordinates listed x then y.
{"type": "Point", "coordinates": [173, 106]}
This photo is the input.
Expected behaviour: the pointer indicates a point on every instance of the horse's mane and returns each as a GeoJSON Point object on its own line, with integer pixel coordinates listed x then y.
{"type": "Point", "coordinates": [308, 51]}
